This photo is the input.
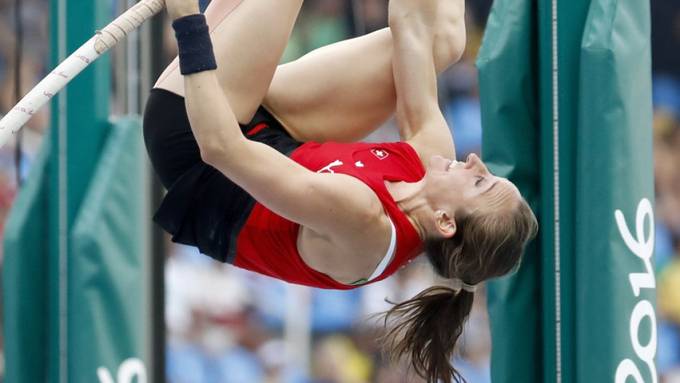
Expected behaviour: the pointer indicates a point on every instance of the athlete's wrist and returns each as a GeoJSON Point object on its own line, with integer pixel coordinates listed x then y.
{"type": "Point", "coordinates": [194, 45]}
{"type": "Point", "coordinates": [182, 8]}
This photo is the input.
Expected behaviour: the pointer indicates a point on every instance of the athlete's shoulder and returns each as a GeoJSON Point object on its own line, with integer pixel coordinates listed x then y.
{"type": "Point", "coordinates": [407, 157]}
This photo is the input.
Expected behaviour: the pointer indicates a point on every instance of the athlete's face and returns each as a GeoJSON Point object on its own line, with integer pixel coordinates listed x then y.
{"type": "Point", "coordinates": [463, 187]}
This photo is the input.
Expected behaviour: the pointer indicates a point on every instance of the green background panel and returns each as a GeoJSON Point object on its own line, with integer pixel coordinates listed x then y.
{"type": "Point", "coordinates": [25, 279]}
{"type": "Point", "coordinates": [507, 64]}
{"type": "Point", "coordinates": [108, 284]}
{"type": "Point", "coordinates": [615, 168]}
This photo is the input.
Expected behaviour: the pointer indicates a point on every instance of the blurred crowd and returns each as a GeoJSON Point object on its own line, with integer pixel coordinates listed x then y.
{"type": "Point", "coordinates": [666, 97]}
{"type": "Point", "coordinates": [228, 325]}
{"type": "Point", "coordinates": [32, 69]}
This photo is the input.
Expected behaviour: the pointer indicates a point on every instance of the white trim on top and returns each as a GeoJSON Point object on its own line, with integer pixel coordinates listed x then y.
{"type": "Point", "coordinates": [389, 256]}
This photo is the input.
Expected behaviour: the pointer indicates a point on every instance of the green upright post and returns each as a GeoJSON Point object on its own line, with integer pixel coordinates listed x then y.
{"type": "Point", "coordinates": [79, 126]}
{"type": "Point", "coordinates": [560, 32]}
{"type": "Point", "coordinates": [511, 134]}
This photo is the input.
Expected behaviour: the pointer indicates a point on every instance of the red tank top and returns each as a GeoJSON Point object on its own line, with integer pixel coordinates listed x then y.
{"type": "Point", "coordinates": [267, 243]}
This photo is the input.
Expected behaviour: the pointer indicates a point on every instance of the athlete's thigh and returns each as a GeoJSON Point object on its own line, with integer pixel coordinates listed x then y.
{"type": "Point", "coordinates": [346, 90]}
{"type": "Point", "coordinates": [341, 92]}
{"type": "Point", "coordinates": [249, 37]}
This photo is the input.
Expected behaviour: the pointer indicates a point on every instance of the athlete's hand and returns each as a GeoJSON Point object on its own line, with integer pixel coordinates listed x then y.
{"type": "Point", "coordinates": [181, 8]}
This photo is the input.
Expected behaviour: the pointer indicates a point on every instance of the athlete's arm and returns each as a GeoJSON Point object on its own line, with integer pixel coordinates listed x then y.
{"type": "Point", "coordinates": [420, 120]}
{"type": "Point", "coordinates": [335, 205]}
{"type": "Point", "coordinates": [326, 203]}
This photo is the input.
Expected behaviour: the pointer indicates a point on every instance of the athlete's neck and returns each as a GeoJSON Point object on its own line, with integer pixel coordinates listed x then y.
{"type": "Point", "coordinates": [410, 197]}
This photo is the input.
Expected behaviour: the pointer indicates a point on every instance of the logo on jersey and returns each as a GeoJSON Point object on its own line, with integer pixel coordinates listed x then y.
{"type": "Point", "coordinates": [329, 168]}
{"type": "Point", "coordinates": [380, 153]}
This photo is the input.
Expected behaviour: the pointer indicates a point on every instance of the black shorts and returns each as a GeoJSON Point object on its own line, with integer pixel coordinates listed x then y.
{"type": "Point", "coordinates": [202, 208]}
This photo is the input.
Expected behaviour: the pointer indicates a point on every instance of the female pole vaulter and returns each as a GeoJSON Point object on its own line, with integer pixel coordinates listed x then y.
{"type": "Point", "coordinates": [263, 169]}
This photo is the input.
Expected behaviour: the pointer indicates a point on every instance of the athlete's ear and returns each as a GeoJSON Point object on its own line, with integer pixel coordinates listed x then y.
{"type": "Point", "coordinates": [446, 224]}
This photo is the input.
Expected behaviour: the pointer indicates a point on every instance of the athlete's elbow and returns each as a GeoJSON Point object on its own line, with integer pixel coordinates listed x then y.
{"type": "Point", "coordinates": [220, 151]}
{"type": "Point", "coordinates": [449, 44]}
{"type": "Point", "coordinates": [211, 153]}
{"type": "Point", "coordinates": [214, 151]}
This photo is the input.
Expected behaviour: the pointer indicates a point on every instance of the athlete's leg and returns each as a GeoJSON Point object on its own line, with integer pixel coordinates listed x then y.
{"type": "Point", "coordinates": [249, 38]}
{"type": "Point", "coordinates": [344, 91]}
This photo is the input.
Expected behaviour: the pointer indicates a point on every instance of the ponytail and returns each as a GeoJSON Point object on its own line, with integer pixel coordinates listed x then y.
{"type": "Point", "coordinates": [426, 328]}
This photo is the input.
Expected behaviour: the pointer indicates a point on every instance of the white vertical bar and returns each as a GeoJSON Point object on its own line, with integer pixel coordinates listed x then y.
{"type": "Point", "coordinates": [556, 191]}
{"type": "Point", "coordinates": [145, 44]}
{"type": "Point", "coordinates": [62, 181]}
{"type": "Point", "coordinates": [298, 326]}
{"type": "Point", "coordinates": [132, 68]}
